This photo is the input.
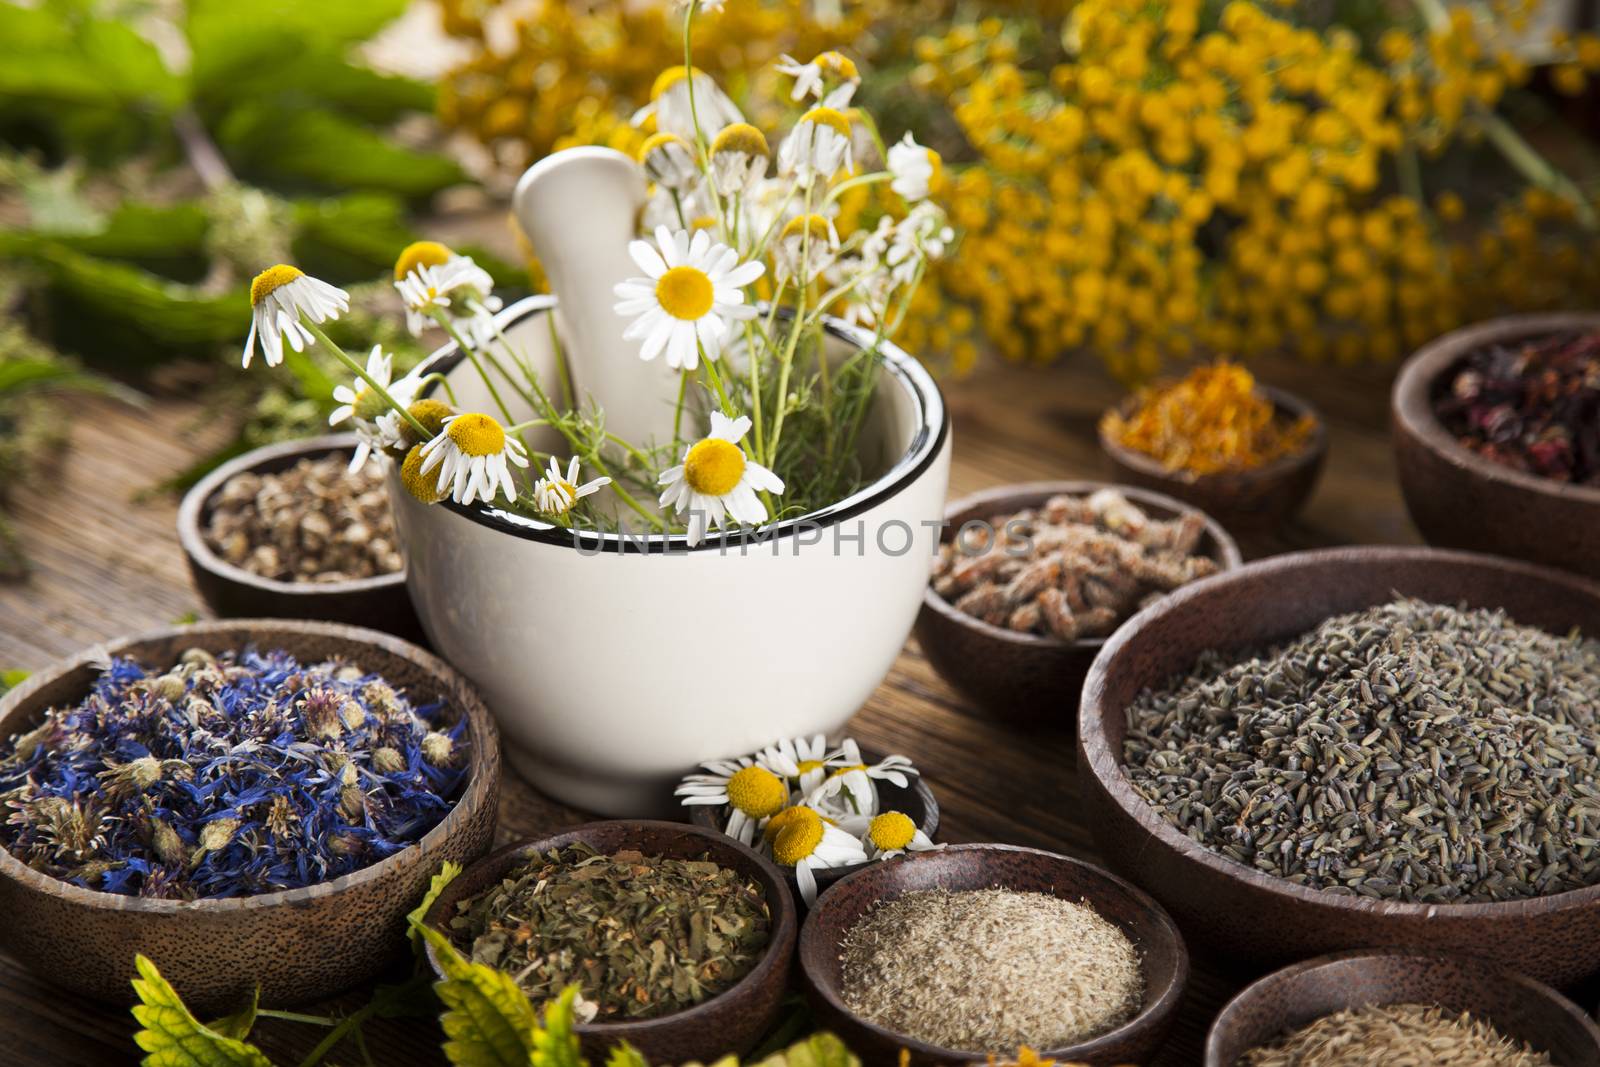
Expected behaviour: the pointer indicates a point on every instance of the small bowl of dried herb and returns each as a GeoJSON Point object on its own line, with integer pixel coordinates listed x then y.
{"type": "Point", "coordinates": [1245, 453]}
{"type": "Point", "coordinates": [1400, 1006]}
{"type": "Point", "coordinates": [251, 804]}
{"type": "Point", "coordinates": [1031, 579]}
{"type": "Point", "coordinates": [967, 954]}
{"type": "Point", "coordinates": [288, 531]}
{"type": "Point", "coordinates": [1497, 439]}
{"type": "Point", "coordinates": [678, 938]}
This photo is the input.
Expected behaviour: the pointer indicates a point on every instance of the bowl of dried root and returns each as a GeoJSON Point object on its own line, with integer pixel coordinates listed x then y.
{"type": "Point", "coordinates": [291, 531]}
{"type": "Point", "coordinates": [1031, 579]}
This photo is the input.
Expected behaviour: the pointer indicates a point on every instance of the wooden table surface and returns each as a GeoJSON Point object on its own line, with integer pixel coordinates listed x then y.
{"type": "Point", "coordinates": [106, 562]}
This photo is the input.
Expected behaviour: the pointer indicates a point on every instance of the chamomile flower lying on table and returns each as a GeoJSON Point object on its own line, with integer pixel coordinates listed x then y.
{"type": "Point", "coordinates": [809, 805]}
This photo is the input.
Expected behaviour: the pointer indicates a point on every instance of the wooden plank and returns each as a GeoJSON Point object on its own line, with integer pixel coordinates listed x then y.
{"type": "Point", "coordinates": [107, 563]}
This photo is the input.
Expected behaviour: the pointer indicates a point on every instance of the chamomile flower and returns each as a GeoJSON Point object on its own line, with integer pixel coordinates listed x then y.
{"type": "Point", "coordinates": [891, 834]}
{"type": "Point", "coordinates": [850, 788]}
{"type": "Point", "coordinates": [555, 493]}
{"type": "Point", "coordinates": [279, 296]}
{"type": "Point", "coordinates": [669, 161]}
{"type": "Point", "coordinates": [473, 454]}
{"type": "Point", "coordinates": [739, 155]}
{"type": "Point", "coordinates": [802, 759]}
{"type": "Point", "coordinates": [923, 235]}
{"type": "Point", "coordinates": [810, 78]}
{"type": "Point", "coordinates": [669, 103]}
{"type": "Point", "coordinates": [752, 792]}
{"type": "Point", "coordinates": [370, 411]}
{"type": "Point", "coordinates": [692, 290]}
{"type": "Point", "coordinates": [802, 838]}
{"type": "Point", "coordinates": [914, 167]}
{"type": "Point", "coordinates": [806, 246]}
{"type": "Point", "coordinates": [818, 146]}
{"type": "Point", "coordinates": [431, 278]}
{"type": "Point", "coordinates": [717, 481]}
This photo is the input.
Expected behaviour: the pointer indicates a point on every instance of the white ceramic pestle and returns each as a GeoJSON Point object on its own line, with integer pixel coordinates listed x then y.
{"type": "Point", "coordinates": [579, 208]}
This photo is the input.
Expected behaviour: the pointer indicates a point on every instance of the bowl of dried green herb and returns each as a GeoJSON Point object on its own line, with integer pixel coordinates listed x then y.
{"type": "Point", "coordinates": [1363, 746]}
{"type": "Point", "coordinates": [1497, 439]}
{"type": "Point", "coordinates": [1398, 1006]}
{"type": "Point", "coordinates": [251, 804]}
{"type": "Point", "coordinates": [678, 937]}
{"type": "Point", "coordinates": [966, 954]}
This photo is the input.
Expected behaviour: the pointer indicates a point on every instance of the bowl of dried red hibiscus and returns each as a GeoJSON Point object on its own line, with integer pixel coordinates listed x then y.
{"type": "Point", "coordinates": [1497, 439]}
{"type": "Point", "coordinates": [1031, 579]}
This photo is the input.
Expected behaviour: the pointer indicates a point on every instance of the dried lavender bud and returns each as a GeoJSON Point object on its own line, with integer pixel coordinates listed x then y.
{"type": "Point", "coordinates": [237, 791]}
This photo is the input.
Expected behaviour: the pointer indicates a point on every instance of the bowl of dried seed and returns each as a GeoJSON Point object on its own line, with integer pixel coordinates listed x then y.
{"type": "Point", "coordinates": [1031, 579]}
{"type": "Point", "coordinates": [678, 938]}
{"type": "Point", "coordinates": [1394, 1007]}
{"type": "Point", "coordinates": [966, 954]}
{"type": "Point", "coordinates": [1361, 746]}
{"type": "Point", "coordinates": [289, 531]}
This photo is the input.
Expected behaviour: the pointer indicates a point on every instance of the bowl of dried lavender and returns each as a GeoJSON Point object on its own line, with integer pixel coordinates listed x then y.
{"type": "Point", "coordinates": [964, 955]}
{"type": "Point", "coordinates": [1497, 439]}
{"type": "Point", "coordinates": [679, 938]}
{"type": "Point", "coordinates": [1392, 1006]}
{"type": "Point", "coordinates": [248, 803]}
{"type": "Point", "coordinates": [289, 531]}
{"type": "Point", "coordinates": [1363, 746]}
{"type": "Point", "coordinates": [1031, 579]}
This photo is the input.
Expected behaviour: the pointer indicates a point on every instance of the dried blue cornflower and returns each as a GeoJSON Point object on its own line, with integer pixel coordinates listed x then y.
{"type": "Point", "coordinates": [227, 776]}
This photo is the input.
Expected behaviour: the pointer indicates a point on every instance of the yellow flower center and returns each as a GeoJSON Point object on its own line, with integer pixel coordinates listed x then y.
{"type": "Point", "coordinates": [714, 467]}
{"type": "Point", "coordinates": [659, 141]}
{"type": "Point", "coordinates": [757, 792]}
{"type": "Point", "coordinates": [827, 116]}
{"type": "Point", "coordinates": [808, 765]}
{"type": "Point", "coordinates": [892, 830]}
{"type": "Point", "coordinates": [420, 254]}
{"type": "Point", "coordinates": [801, 225]}
{"type": "Point", "coordinates": [740, 137]}
{"type": "Point", "coordinates": [368, 404]}
{"type": "Point", "coordinates": [477, 434]}
{"type": "Point", "coordinates": [431, 413]}
{"type": "Point", "coordinates": [684, 292]}
{"type": "Point", "coordinates": [425, 487]}
{"type": "Point", "coordinates": [847, 770]}
{"type": "Point", "coordinates": [838, 64]}
{"type": "Point", "coordinates": [670, 77]}
{"type": "Point", "coordinates": [271, 279]}
{"type": "Point", "coordinates": [703, 222]}
{"type": "Point", "coordinates": [797, 837]}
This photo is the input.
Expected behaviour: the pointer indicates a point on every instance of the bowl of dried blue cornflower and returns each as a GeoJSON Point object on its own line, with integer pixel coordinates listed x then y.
{"type": "Point", "coordinates": [250, 803]}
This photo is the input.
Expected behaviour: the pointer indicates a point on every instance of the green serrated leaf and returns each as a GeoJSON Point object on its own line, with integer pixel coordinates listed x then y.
{"type": "Point", "coordinates": [488, 1019]}
{"type": "Point", "coordinates": [173, 1037]}
{"type": "Point", "coordinates": [238, 1024]}
{"type": "Point", "coordinates": [555, 1044]}
{"type": "Point", "coordinates": [442, 878]}
{"type": "Point", "coordinates": [819, 1050]}
{"type": "Point", "coordinates": [625, 1055]}
{"type": "Point", "coordinates": [320, 149]}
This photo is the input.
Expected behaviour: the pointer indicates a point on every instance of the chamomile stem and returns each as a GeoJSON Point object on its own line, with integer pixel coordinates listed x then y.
{"type": "Point", "coordinates": [560, 360]}
{"type": "Point", "coordinates": [755, 386]}
{"type": "Point", "coordinates": [859, 180]}
{"type": "Point", "coordinates": [372, 383]}
{"type": "Point", "coordinates": [677, 412]}
{"type": "Point", "coordinates": [449, 327]}
{"type": "Point", "coordinates": [296, 1017]}
{"type": "Point", "coordinates": [793, 341]}
{"type": "Point", "coordinates": [716, 381]}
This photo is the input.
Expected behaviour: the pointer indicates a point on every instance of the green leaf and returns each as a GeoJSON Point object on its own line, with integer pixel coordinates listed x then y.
{"type": "Point", "coordinates": [442, 878]}
{"type": "Point", "coordinates": [488, 1019]}
{"type": "Point", "coordinates": [295, 74]}
{"type": "Point", "coordinates": [819, 1050]}
{"type": "Point", "coordinates": [556, 1043]}
{"type": "Point", "coordinates": [625, 1055]}
{"type": "Point", "coordinates": [317, 148]}
{"type": "Point", "coordinates": [238, 1024]}
{"type": "Point", "coordinates": [212, 25]}
{"type": "Point", "coordinates": [350, 237]}
{"type": "Point", "coordinates": [173, 1037]}
{"type": "Point", "coordinates": [12, 678]}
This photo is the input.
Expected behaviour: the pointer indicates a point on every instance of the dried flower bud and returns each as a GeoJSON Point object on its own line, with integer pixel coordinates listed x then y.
{"type": "Point", "coordinates": [131, 778]}
{"type": "Point", "coordinates": [348, 775]}
{"type": "Point", "coordinates": [353, 714]}
{"type": "Point", "coordinates": [345, 845]}
{"type": "Point", "coordinates": [437, 748]}
{"type": "Point", "coordinates": [169, 687]}
{"type": "Point", "coordinates": [27, 744]}
{"type": "Point", "coordinates": [164, 840]}
{"type": "Point", "coordinates": [352, 802]}
{"type": "Point", "coordinates": [217, 833]}
{"type": "Point", "coordinates": [387, 760]}
{"type": "Point", "coordinates": [319, 713]}
{"type": "Point", "coordinates": [196, 657]}
{"type": "Point", "coordinates": [349, 673]}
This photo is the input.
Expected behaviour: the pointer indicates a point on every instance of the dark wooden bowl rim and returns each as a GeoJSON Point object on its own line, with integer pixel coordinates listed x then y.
{"type": "Point", "coordinates": [485, 751]}
{"type": "Point", "coordinates": [1414, 391]}
{"type": "Point", "coordinates": [1528, 987]}
{"type": "Point", "coordinates": [1285, 404]}
{"type": "Point", "coordinates": [196, 507]}
{"type": "Point", "coordinates": [1163, 1002]}
{"type": "Point", "coordinates": [780, 905]}
{"type": "Point", "coordinates": [1031, 494]}
{"type": "Point", "coordinates": [704, 816]}
{"type": "Point", "coordinates": [1106, 766]}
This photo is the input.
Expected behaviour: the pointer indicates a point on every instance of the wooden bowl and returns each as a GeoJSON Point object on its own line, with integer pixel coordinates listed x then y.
{"type": "Point", "coordinates": [1257, 500]}
{"type": "Point", "coordinates": [916, 801]}
{"type": "Point", "coordinates": [730, 1022]}
{"type": "Point", "coordinates": [1296, 996]}
{"type": "Point", "coordinates": [1026, 678]}
{"type": "Point", "coordinates": [298, 944]}
{"type": "Point", "coordinates": [230, 592]}
{"type": "Point", "coordinates": [1263, 920]}
{"type": "Point", "coordinates": [1459, 499]}
{"type": "Point", "coordinates": [965, 867]}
